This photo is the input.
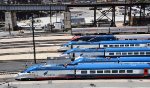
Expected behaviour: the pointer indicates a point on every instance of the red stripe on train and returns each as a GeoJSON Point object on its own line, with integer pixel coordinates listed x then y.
{"type": "Point", "coordinates": [97, 77]}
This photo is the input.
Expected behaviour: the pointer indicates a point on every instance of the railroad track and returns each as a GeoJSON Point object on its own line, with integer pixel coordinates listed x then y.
{"type": "Point", "coordinates": [18, 53]}
{"type": "Point", "coordinates": [8, 73]}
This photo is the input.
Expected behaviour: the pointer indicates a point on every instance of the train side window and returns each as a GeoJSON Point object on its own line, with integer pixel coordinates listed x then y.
{"type": "Point", "coordinates": [118, 53]}
{"type": "Point", "coordinates": [137, 44]}
{"type": "Point", "coordinates": [121, 45]}
{"type": "Point", "coordinates": [114, 71]}
{"type": "Point", "coordinates": [111, 53]}
{"type": "Point", "coordinates": [129, 71]}
{"type": "Point", "coordinates": [136, 53]}
{"type": "Point", "coordinates": [126, 44]}
{"type": "Point", "coordinates": [141, 53]}
{"type": "Point", "coordinates": [99, 71]}
{"type": "Point", "coordinates": [129, 53]}
{"type": "Point", "coordinates": [110, 45]}
{"type": "Point", "coordinates": [105, 45]}
{"type": "Point", "coordinates": [92, 71]}
{"type": "Point", "coordinates": [126, 39]}
{"type": "Point", "coordinates": [131, 44]}
{"type": "Point", "coordinates": [83, 72]}
{"type": "Point", "coordinates": [147, 53]}
{"type": "Point", "coordinates": [121, 71]}
{"type": "Point", "coordinates": [29, 72]}
{"type": "Point", "coordinates": [116, 45]}
{"type": "Point", "coordinates": [124, 53]}
{"type": "Point", "coordinates": [106, 71]}
{"type": "Point", "coordinates": [135, 39]}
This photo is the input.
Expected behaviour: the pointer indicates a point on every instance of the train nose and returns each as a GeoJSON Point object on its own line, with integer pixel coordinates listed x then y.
{"type": "Point", "coordinates": [64, 55]}
{"type": "Point", "coordinates": [17, 77]}
{"type": "Point", "coordinates": [63, 49]}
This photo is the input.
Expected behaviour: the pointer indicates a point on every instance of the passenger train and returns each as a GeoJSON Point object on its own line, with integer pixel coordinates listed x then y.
{"type": "Point", "coordinates": [107, 52]}
{"type": "Point", "coordinates": [94, 38]}
{"type": "Point", "coordinates": [109, 59]}
{"type": "Point", "coordinates": [106, 44]}
{"type": "Point", "coordinates": [85, 71]}
{"type": "Point", "coordinates": [97, 38]}
{"type": "Point", "coordinates": [111, 30]}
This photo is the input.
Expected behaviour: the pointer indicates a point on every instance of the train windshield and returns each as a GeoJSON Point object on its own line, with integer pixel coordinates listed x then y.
{"type": "Point", "coordinates": [31, 68]}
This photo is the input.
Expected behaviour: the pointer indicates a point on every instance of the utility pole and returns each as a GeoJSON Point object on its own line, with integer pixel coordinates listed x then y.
{"type": "Point", "coordinates": [125, 14]}
{"type": "Point", "coordinates": [33, 40]}
{"type": "Point", "coordinates": [50, 18]}
{"type": "Point", "coordinates": [130, 13]}
{"type": "Point", "coordinates": [9, 29]}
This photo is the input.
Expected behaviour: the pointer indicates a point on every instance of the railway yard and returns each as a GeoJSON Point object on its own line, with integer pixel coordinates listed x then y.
{"type": "Point", "coordinates": [18, 49]}
{"type": "Point", "coordinates": [75, 44]}
{"type": "Point", "coordinates": [17, 53]}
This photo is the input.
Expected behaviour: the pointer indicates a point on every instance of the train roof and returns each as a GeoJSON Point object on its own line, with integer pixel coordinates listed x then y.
{"type": "Point", "coordinates": [98, 36]}
{"type": "Point", "coordinates": [83, 50]}
{"type": "Point", "coordinates": [118, 36]}
{"type": "Point", "coordinates": [89, 66]}
{"type": "Point", "coordinates": [110, 42]}
{"type": "Point", "coordinates": [92, 37]}
{"type": "Point", "coordinates": [107, 49]}
{"type": "Point", "coordinates": [108, 59]}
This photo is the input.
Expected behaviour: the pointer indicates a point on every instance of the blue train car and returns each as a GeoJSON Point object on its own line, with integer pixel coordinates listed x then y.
{"type": "Point", "coordinates": [85, 71]}
{"type": "Point", "coordinates": [107, 52]}
{"type": "Point", "coordinates": [106, 44]}
{"type": "Point", "coordinates": [119, 60]}
{"type": "Point", "coordinates": [93, 38]}
{"type": "Point", "coordinates": [96, 38]}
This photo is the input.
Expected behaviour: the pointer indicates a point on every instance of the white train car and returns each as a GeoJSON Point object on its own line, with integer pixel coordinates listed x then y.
{"type": "Point", "coordinates": [111, 30]}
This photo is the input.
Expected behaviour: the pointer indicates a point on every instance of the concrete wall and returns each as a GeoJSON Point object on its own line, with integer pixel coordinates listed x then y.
{"type": "Point", "coordinates": [10, 20]}
{"type": "Point", "coordinates": [67, 20]}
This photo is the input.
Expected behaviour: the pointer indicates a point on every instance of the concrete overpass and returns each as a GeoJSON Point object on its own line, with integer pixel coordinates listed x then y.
{"type": "Point", "coordinates": [64, 7]}
{"type": "Point", "coordinates": [36, 7]}
{"type": "Point", "coordinates": [60, 7]}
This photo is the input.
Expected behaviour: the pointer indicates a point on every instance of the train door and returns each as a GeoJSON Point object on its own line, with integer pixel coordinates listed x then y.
{"type": "Point", "coordinates": [145, 72]}
{"type": "Point", "coordinates": [75, 73]}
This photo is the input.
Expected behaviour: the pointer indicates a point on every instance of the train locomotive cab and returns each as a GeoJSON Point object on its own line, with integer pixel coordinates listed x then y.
{"type": "Point", "coordinates": [63, 48]}
{"type": "Point", "coordinates": [46, 72]}
{"type": "Point", "coordinates": [27, 74]}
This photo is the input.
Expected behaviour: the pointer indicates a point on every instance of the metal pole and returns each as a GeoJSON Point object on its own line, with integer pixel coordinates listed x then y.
{"type": "Point", "coordinates": [125, 13]}
{"type": "Point", "coordinates": [33, 40]}
{"type": "Point", "coordinates": [114, 16]}
{"type": "Point", "coordinates": [143, 10]}
{"type": "Point", "coordinates": [95, 22]}
{"type": "Point", "coordinates": [56, 16]}
{"type": "Point", "coordinates": [130, 12]}
{"type": "Point", "coordinates": [50, 19]}
{"type": "Point", "coordinates": [9, 29]}
{"type": "Point", "coordinates": [140, 16]}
